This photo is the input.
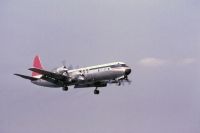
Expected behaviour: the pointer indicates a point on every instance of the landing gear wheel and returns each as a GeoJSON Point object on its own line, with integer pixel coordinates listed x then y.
{"type": "Point", "coordinates": [119, 83]}
{"type": "Point", "coordinates": [96, 92]}
{"type": "Point", "coordinates": [65, 88]}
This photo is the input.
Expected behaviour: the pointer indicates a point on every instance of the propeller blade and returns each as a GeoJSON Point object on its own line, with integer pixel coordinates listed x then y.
{"type": "Point", "coordinates": [64, 63]}
{"type": "Point", "coordinates": [77, 67]}
{"type": "Point", "coordinates": [126, 80]}
{"type": "Point", "coordinates": [70, 67]}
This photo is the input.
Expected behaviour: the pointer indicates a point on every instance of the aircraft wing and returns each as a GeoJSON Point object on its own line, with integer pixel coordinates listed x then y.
{"type": "Point", "coordinates": [48, 74]}
{"type": "Point", "coordinates": [26, 77]}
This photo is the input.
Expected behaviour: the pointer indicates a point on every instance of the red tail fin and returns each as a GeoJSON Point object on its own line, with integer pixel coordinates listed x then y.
{"type": "Point", "coordinates": [36, 64]}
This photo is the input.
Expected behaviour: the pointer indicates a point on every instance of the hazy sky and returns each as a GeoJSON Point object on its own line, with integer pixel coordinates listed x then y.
{"type": "Point", "coordinates": [159, 39]}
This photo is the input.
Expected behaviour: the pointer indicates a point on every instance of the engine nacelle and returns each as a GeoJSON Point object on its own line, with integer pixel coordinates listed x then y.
{"type": "Point", "coordinates": [61, 70]}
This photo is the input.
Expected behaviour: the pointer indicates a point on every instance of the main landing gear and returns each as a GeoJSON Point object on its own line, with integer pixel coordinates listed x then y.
{"type": "Point", "coordinates": [96, 91]}
{"type": "Point", "coordinates": [65, 88]}
{"type": "Point", "coordinates": [119, 83]}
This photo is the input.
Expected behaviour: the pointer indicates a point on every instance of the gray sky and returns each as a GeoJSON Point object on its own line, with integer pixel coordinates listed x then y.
{"type": "Point", "coordinates": [159, 39]}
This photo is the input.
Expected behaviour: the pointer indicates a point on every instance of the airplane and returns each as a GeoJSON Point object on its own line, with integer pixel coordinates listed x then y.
{"type": "Point", "coordinates": [93, 76]}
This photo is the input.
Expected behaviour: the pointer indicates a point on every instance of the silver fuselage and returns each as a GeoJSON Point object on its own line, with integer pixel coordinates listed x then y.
{"type": "Point", "coordinates": [93, 74]}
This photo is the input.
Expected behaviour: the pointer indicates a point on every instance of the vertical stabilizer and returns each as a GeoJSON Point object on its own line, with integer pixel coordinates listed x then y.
{"type": "Point", "coordinates": [37, 64]}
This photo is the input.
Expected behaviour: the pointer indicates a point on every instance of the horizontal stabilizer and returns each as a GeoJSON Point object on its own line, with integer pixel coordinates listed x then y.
{"type": "Point", "coordinates": [26, 77]}
{"type": "Point", "coordinates": [49, 74]}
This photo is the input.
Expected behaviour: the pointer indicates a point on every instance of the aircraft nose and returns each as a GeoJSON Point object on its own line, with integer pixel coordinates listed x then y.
{"type": "Point", "coordinates": [127, 71]}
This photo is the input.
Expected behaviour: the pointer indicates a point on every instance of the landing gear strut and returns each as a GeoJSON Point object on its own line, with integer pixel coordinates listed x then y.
{"type": "Point", "coordinates": [96, 91]}
{"type": "Point", "coordinates": [119, 83]}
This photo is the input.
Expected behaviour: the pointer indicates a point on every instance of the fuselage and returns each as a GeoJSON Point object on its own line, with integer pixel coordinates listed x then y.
{"type": "Point", "coordinates": [94, 74]}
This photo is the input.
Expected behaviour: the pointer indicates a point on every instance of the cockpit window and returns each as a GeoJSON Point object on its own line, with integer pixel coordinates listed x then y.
{"type": "Point", "coordinates": [120, 65]}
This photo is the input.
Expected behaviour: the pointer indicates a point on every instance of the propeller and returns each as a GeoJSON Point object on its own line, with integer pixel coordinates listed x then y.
{"type": "Point", "coordinates": [63, 69]}
{"type": "Point", "coordinates": [128, 81]}
{"type": "Point", "coordinates": [64, 64]}
{"type": "Point", "coordinates": [77, 67]}
{"type": "Point", "coordinates": [122, 82]}
{"type": "Point", "coordinates": [70, 67]}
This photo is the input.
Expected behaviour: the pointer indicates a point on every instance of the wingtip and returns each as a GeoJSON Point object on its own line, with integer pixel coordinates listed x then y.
{"type": "Point", "coordinates": [33, 68]}
{"type": "Point", "coordinates": [16, 74]}
{"type": "Point", "coordinates": [25, 77]}
{"type": "Point", "coordinates": [30, 69]}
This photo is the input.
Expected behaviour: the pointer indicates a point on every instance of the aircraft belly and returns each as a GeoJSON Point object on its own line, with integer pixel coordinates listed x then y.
{"type": "Point", "coordinates": [44, 83]}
